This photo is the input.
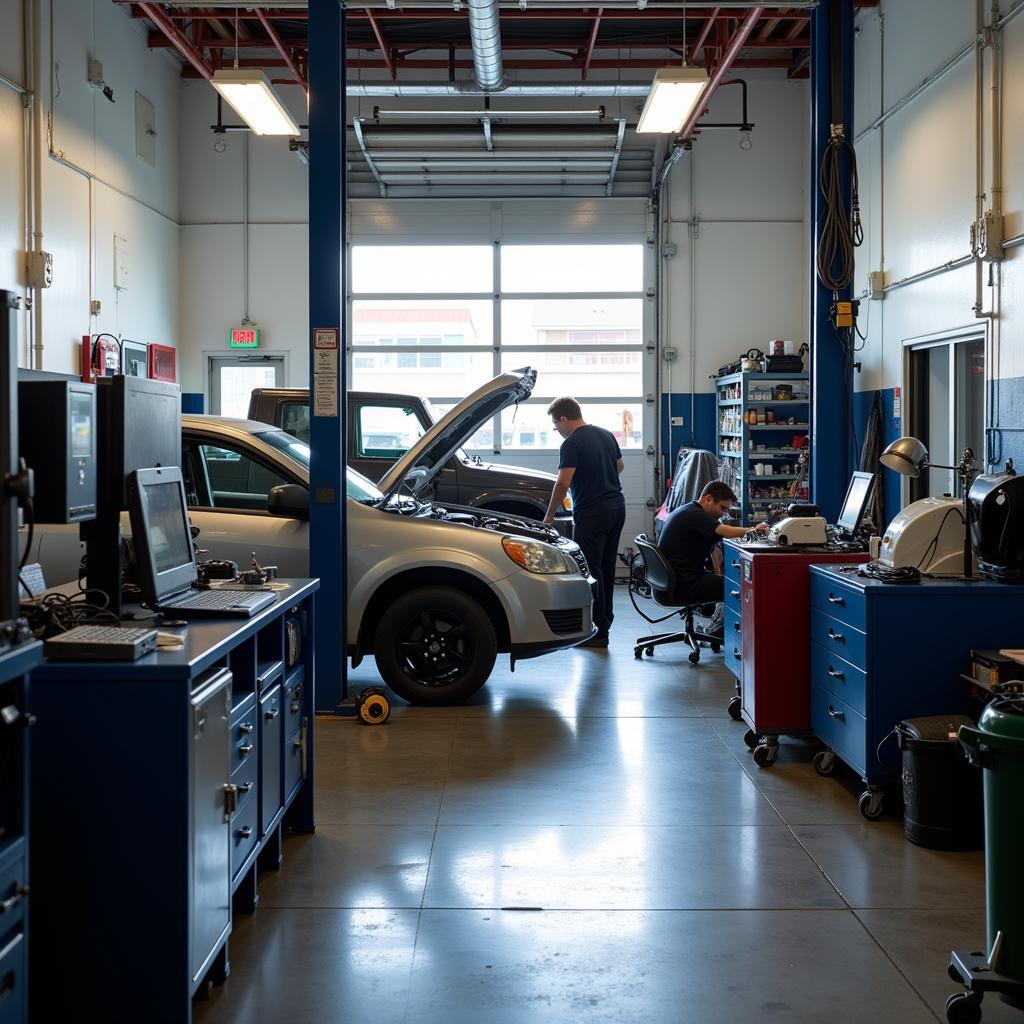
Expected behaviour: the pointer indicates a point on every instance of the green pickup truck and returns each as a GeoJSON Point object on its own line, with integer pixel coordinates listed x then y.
{"type": "Point", "coordinates": [381, 427]}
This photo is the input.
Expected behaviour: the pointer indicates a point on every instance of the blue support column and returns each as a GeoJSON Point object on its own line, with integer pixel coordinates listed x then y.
{"type": "Point", "coordinates": [327, 519]}
{"type": "Point", "coordinates": [831, 383]}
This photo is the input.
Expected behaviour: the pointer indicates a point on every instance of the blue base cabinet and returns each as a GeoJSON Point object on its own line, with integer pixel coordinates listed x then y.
{"type": "Point", "coordinates": [159, 793]}
{"type": "Point", "coordinates": [15, 664]}
{"type": "Point", "coordinates": [882, 653]}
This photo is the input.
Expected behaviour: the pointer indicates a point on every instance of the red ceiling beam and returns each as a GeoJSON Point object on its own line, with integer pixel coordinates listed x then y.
{"type": "Point", "coordinates": [180, 43]}
{"type": "Point", "coordinates": [289, 60]}
{"type": "Point", "coordinates": [729, 59]}
{"type": "Point", "coordinates": [591, 43]}
{"type": "Point", "coordinates": [704, 32]}
{"type": "Point", "coordinates": [383, 46]}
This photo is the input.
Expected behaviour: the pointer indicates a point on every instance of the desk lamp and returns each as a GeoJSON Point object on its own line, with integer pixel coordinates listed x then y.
{"type": "Point", "coordinates": [908, 457]}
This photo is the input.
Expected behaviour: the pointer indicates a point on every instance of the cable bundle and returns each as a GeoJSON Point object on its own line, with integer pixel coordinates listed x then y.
{"type": "Point", "coordinates": [889, 573]}
{"type": "Point", "coordinates": [55, 613]}
{"type": "Point", "coordinates": [841, 232]}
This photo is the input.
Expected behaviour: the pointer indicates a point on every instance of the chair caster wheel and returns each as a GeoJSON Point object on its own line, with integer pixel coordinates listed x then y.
{"type": "Point", "coordinates": [963, 1008]}
{"type": "Point", "coordinates": [764, 755]}
{"type": "Point", "coordinates": [870, 804]}
{"type": "Point", "coordinates": [638, 653]}
{"type": "Point", "coordinates": [715, 648]}
{"type": "Point", "coordinates": [751, 738]}
{"type": "Point", "coordinates": [734, 709]}
{"type": "Point", "coordinates": [824, 762]}
{"type": "Point", "coordinates": [649, 652]}
{"type": "Point", "coordinates": [694, 657]}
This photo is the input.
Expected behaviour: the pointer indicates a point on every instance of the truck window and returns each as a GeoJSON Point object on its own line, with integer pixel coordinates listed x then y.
{"type": "Point", "coordinates": [293, 418]}
{"type": "Point", "coordinates": [385, 431]}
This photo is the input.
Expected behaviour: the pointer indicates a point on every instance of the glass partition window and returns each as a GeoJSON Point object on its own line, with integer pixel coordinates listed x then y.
{"type": "Point", "coordinates": [438, 322]}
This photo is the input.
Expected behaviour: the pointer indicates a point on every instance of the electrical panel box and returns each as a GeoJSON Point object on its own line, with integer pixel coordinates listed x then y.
{"type": "Point", "coordinates": [120, 262]}
{"type": "Point", "coordinates": [145, 130]}
{"type": "Point", "coordinates": [876, 284]}
{"type": "Point", "coordinates": [57, 438]}
{"type": "Point", "coordinates": [987, 237]}
{"type": "Point", "coordinates": [40, 269]}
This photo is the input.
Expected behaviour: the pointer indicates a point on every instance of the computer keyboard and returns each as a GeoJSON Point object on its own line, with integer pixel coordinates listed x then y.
{"type": "Point", "coordinates": [101, 643]}
{"type": "Point", "coordinates": [105, 634]}
{"type": "Point", "coordinates": [220, 600]}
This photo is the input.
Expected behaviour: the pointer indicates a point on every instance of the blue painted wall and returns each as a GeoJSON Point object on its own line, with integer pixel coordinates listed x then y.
{"type": "Point", "coordinates": [1006, 436]}
{"type": "Point", "coordinates": [191, 401]}
{"type": "Point", "coordinates": [700, 433]}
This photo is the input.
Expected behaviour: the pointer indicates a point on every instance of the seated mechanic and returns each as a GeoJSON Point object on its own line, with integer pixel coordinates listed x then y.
{"type": "Point", "coordinates": [689, 541]}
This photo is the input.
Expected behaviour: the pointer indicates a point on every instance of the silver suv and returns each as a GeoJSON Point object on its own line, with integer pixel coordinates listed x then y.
{"type": "Point", "coordinates": [435, 592]}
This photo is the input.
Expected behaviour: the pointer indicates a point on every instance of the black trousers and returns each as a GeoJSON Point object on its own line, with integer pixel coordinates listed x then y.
{"type": "Point", "coordinates": [598, 535]}
{"type": "Point", "coordinates": [703, 590]}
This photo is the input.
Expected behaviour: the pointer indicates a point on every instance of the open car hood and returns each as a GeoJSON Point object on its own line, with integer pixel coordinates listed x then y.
{"type": "Point", "coordinates": [421, 463]}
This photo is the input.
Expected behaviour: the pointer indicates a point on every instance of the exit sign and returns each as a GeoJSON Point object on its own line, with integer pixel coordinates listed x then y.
{"type": "Point", "coordinates": [245, 337]}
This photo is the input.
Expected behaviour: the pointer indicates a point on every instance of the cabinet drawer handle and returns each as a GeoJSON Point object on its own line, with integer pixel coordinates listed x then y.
{"type": "Point", "coordinates": [834, 674]}
{"type": "Point", "coordinates": [736, 654]}
{"type": "Point", "coordinates": [833, 635]}
{"type": "Point", "coordinates": [832, 599]}
{"type": "Point", "coordinates": [838, 715]}
{"type": "Point", "coordinates": [296, 707]}
{"type": "Point", "coordinates": [272, 714]}
{"type": "Point", "coordinates": [296, 694]}
{"type": "Point", "coordinates": [734, 593]}
{"type": "Point", "coordinates": [245, 728]}
{"type": "Point", "coordinates": [246, 787]}
{"type": "Point", "coordinates": [244, 832]}
{"type": "Point", "coordinates": [245, 749]}
{"type": "Point", "coordinates": [297, 743]}
{"type": "Point", "coordinates": [735, 565]}
{"type": "Point", "coordinates": [20, 892]}
{"type": "Point", "coordinates": [737, 626]}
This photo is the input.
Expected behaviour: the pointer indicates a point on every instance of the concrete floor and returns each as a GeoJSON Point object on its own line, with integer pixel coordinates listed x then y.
{"type": "Point", "coordinates": [589, 840]}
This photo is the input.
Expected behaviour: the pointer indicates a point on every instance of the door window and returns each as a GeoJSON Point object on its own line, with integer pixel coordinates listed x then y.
{"type": "Point", "coordinates": [237, 481]}
{"type": "Point", "coordinates": [233, 378]}
{"type": "Point", "coordinates": [386, 431]}
{"type": "Point", "coordinates": [293, 418]}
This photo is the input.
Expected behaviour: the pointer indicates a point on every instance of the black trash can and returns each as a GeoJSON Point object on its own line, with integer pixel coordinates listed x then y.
{"type": "Point", "coordinates": [942, 801]}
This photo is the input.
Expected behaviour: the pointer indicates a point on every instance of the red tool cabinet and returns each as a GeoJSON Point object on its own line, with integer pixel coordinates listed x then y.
{"type": "Point", "coordinates": [776, 643]}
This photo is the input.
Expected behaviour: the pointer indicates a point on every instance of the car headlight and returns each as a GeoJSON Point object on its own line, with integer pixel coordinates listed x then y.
{"type": "Point", "coordinates": [534, 556]}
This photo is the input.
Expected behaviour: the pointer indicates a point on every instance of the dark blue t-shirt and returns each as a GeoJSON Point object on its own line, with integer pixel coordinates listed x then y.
{"type": "Point", "coordinates": [594, 453]}
{"type": "Point", "coordinates": [686, 540]}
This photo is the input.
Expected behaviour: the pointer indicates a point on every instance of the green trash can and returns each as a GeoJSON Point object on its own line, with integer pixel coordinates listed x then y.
{"type": "Point", "coordinates": [997, 745]}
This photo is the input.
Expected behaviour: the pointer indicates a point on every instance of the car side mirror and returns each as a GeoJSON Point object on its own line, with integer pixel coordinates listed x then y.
{"type": "Point", "coordinates": [290, 500]}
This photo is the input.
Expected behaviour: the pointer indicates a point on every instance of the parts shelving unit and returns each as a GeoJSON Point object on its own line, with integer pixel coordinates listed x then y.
{"type": "Point", "coordinates": [767, 444]}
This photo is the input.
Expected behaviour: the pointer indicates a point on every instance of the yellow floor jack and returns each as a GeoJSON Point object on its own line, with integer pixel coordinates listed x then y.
{"type": "Point", "coordinates": [370, 706]}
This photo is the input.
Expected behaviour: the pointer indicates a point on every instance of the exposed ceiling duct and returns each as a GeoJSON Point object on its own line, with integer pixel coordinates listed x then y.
{"type": "Point", "coordinates": [370, 90]}
{"type": "Point", "coordinates": [485, 36]}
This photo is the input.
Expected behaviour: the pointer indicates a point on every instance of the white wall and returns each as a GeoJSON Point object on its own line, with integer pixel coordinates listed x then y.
{"type": "Point", "coordinates": [93, 184]}
{"type": "Point", "coordinates": [918, 181]}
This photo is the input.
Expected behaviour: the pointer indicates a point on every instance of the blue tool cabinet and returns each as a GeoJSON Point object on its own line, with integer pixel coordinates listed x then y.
{"type": "Point", "coordinates": [884, 652]}
{"type": "Point", "coordinates": [160, 790]}
{"type": "Point", "coordinates": [15, 665]}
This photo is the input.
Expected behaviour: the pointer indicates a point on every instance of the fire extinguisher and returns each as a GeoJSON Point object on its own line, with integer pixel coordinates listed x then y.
{"type": "Point", "coordinates": [101, 356]}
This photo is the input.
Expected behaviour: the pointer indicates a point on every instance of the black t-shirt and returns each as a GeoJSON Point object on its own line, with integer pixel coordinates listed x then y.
{"type": "Point", "coordinates": [594, 453]}
{"type": "Point", "coordinates": [687, 539]}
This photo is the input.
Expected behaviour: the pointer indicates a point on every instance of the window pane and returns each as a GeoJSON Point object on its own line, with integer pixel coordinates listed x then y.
{"type": "Point", "coordinates": [572, 268]}
{"type": "Point", "coordinates": [422, 268]}
{"type": "Point", "coordinates": [236, 384]}
{"type": "Point", "coordinates": [482, 439]}
{"type": "Point", "coordinates": [237, 481]}
{"type": "Point", "coordinates": [385, 431]}
{"type": "Point", "coordinates": [293, 418]}
{"type": "Point", "coordinates": [530, 426]}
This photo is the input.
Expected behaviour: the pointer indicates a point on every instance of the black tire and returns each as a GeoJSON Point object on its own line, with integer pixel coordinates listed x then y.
{"type": "Point", "coordinates": [963, 1008]}
{"type": "Point", "coordinates": [415, 654]}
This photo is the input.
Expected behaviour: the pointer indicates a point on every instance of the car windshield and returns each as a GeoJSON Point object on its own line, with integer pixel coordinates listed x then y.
{"type": "Point", "coordinates": [288, 445]}
{"type": "Point", "coordinates": [358, 488]}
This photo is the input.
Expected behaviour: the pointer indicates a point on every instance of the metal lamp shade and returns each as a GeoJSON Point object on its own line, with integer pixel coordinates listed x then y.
{"type": "Point", "coordinates": [906, 455]}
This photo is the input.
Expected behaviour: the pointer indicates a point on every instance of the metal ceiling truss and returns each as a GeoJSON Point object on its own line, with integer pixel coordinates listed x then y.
{"type": "Point", "coordinates": [435, 35]}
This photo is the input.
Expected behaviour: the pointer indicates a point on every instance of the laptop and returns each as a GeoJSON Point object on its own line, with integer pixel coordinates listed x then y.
{"type": "Point", "coordinates": [166, 558]}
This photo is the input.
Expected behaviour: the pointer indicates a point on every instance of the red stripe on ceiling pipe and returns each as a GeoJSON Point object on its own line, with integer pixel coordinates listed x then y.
{"type": "Point", "coordinates": [283, 50]}
{"type": "Point", "coordinates": [180, 43]}
{"type": "Point", "coordinates": [729, 59]}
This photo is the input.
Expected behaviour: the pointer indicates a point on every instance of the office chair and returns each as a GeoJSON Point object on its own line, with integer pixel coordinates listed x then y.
{"type": "Point", "coordinates": [654, 577]}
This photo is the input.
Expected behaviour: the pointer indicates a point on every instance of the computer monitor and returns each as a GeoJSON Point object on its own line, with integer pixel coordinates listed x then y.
{"type": "Point", "coordinates": [858, 494]}
{"type": "Point", "coordinates": [160, 532]}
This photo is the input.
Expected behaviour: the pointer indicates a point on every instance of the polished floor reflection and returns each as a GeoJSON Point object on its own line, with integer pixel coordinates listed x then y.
{"type": "Point", "coordinates": [590, 841]}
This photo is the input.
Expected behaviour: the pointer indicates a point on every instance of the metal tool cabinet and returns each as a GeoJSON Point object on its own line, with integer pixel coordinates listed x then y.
{"type": "Point", "coordinates": [159, 792]}
{"type": "Point", "coordinates": [15, 665]}
{"type": "Point", "coordinates": [883, 652]}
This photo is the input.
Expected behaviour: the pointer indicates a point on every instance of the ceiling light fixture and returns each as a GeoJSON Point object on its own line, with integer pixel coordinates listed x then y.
{"type": "Point", "coordinates": [250, 94]}
{"type": "Point", "coordinates": [674, 93]}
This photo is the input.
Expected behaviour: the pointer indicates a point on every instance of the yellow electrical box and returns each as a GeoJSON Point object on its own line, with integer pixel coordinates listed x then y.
{"type": "Point", "coordinates": [844, 314]}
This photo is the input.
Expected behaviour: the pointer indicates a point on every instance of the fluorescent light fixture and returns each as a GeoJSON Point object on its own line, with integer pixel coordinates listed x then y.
{"type": "Point", "coordinates": [249, 93]}
{"type": "Point", "coordinates": [674, 93]}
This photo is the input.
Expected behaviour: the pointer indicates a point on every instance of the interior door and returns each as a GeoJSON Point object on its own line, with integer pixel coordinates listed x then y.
{"type": "Point", "coordinates": [232, 379]}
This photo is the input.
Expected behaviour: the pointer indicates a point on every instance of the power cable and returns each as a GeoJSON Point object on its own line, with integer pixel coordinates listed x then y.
{"type": "Point", "coordinates": [841, 231]}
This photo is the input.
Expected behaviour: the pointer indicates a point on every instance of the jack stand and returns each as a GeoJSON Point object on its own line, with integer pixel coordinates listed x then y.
{"type": "Point", "coordinates": [976, 972]}
{"type": "Point", "coordinates": [369, 706]}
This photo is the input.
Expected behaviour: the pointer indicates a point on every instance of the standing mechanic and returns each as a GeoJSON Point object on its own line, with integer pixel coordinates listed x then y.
{"type": "Point", "coordinates": [689, 539]}
{"type": "Point", "coordinates": [589, 464]}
